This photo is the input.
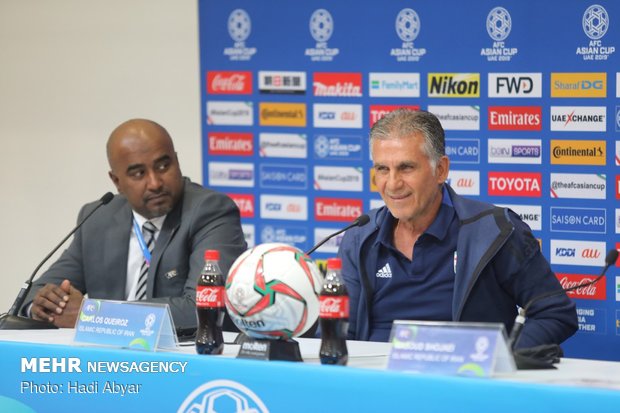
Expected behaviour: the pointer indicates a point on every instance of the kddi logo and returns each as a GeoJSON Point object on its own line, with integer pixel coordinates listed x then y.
{"type": "Point", "coordinates": [515, 85]}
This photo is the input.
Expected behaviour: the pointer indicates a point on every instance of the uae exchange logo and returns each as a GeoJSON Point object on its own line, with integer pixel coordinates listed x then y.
{"type": "Point", "coordinates": [595, 21]}
{"type": "Point", "coordinates": [499, 24]}
{"type": "Point", "coordinates": [239, 25]}
{"type": "Point", "coordinates": [321, 25]}
{"type": "Point", "coordinates": [408, 25]}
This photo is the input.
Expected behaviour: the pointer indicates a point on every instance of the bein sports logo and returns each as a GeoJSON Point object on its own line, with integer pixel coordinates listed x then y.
{"type": "Point", "coordinates": [221, 395]}
{"type": "Point", "coordinates": [595, 22]}
{"type": "Point", "coordinates": [499, 24]}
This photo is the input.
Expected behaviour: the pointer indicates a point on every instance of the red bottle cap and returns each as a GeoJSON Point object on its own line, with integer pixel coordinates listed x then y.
{"type": "Point", "coordinates": [334, 264]}
{"type": "Point", "coordinates": [212, 255]}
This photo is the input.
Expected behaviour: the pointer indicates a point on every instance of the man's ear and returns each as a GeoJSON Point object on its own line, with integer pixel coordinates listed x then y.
{"type": "Point", "coordinates": [115, 180]}
{"type": "Point", "coordinates": [443, 168]}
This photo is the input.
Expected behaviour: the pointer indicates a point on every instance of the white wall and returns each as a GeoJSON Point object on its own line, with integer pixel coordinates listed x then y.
{"type": "Point", "coordinates": [70, 71]}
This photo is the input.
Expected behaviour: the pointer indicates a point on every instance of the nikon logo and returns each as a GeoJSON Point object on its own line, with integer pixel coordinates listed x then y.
{"type": "Point", "coordinates": [457, 85]}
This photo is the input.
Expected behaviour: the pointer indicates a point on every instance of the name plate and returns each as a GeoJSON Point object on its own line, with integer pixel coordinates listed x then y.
{"type": "Point", "coordinates": [468, 349]}
{"type": "Point", "coordinates": [136, 325]}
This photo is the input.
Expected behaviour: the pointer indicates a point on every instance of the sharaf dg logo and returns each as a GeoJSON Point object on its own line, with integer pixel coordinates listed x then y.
{"type": "Point", "coordinates": [220, 396]}
{"type": "Point", "coordinates": [578, 85]}
{"type": "Point", "coordinates": [456, 85]}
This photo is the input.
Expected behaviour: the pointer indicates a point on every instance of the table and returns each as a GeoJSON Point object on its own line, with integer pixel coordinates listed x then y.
{"type": "Point", "coordinates": [180, 380]}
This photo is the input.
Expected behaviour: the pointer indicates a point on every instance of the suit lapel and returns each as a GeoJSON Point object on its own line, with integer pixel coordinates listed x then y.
{"type": "Point", "coordinates": [169, 228]}
{"type": "Point", "coordinates": [116, 245]}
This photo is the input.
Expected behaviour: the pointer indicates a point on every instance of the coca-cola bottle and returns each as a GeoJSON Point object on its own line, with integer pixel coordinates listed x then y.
{"type": "Point", "coordinates": [334, 315]}
{"type": "Point", "coordinates": [210, 309]}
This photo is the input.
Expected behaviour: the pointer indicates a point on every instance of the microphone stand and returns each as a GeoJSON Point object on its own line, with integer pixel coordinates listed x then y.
{"type": "Point", "coordinates": [359, 222]}
{"type": "Point", "coordinates": [11, 320]}
{"type": "Point", "coordinates": [529, 361]}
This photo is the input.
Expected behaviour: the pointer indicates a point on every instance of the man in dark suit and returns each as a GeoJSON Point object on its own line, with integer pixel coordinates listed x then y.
{"type": "Point", "coordinates": [106, 257]}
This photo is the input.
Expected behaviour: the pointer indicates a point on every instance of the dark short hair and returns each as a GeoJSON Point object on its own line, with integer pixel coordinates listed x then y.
{"type": "Point", "coordinates": [404, 122]}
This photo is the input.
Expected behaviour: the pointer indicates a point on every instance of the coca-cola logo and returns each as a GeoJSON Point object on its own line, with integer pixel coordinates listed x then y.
{"type": "Point", "coordinates": [334, 307]}
{"type": "Point", "coordinates": [587, 292]}
{"type": "Point", "coordinates": [234, 83]}
{"type": "Point", "coordinates": [207, 296]}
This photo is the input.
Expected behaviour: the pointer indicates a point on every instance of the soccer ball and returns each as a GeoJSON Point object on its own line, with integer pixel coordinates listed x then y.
{"type": "Point", "coordinates": [272, 291]}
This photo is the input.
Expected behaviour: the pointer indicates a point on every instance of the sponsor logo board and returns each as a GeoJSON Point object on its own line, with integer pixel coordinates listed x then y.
{"type": "Point", "coordinates": [515, 151]}
{"type": "Point", "coordinates": [284, 207]}
{"type": "Point", "coordinates": [283, 145]}
{"type": "Point", "coordinates": [457, 117]}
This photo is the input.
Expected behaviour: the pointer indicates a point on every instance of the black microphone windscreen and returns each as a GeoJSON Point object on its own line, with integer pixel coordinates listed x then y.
{"type": "Point", "coordinates": [612, 257]}
{"type": "Point", "coordinates": [362, 220]}
{"type": "Point", "coordinates": [106, 198]}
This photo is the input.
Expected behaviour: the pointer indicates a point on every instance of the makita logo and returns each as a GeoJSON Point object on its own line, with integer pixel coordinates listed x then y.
{"type": "Point", "coordinates": [337, 84]}
{"type": "Point", "coordinates": [379, 111]}
{"type": "Point", "coordinates": [333, 209]}
{"type": "Point", "coordinates": [453, 85]}
{"type": "Point", "coordinates": [515, 184]}
{"type": "Point", "coordinates": [239, 144]}
{"type": "Point", "coordinates": [245, 203]}
{"type": "Point", "coordinates": [565, 252]}
{"type": "Point", "coordinates": [515, 118]}
{"type": "Point", "coordinates": [517, 85]}
{"type": "Point", "coordinates": [231, 83]}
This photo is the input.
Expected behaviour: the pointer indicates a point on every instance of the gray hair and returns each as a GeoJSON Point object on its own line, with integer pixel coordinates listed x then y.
{"type": "Point", "coordinates": [403, 122]}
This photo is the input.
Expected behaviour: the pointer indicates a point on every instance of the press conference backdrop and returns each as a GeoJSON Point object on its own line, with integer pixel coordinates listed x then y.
{"type": "Point", "coordinates": [527, 91]}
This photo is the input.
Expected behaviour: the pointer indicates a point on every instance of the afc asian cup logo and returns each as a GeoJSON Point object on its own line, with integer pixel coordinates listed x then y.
{"type": "Point", "coordinates": [321, 146]}
{"type": "Point", "coordinates": [595, 21]}
{"type": "Point", "coordinates": [239, 25]}
{"type": "Point", "coordinates": [268, 234]}
{"type": "Point", "coordinates": [321, 25]}
{"type": "Point", "coordinates": [499, 24]}
{"type": "Point", "coordinates": [408, 25]}
{"type": "Point", "coordinates": [222, 396]}
{"type": "Point", "coordinates": [149, 322]}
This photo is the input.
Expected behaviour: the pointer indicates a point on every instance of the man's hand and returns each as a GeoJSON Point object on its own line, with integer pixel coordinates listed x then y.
{"type": "Point", "coordinates": [57, 304]}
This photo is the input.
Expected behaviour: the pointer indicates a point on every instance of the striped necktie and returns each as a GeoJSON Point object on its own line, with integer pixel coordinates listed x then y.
{"type": "Point", "coordinates": [148, 231]}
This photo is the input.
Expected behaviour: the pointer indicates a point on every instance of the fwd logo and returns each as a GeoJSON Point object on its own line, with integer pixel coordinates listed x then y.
{"type": "Point", "coordinates": [515, 85]}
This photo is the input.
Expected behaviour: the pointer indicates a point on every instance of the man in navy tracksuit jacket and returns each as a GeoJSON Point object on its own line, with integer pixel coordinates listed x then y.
{"type": "Point", "coordinates": [475, 261]}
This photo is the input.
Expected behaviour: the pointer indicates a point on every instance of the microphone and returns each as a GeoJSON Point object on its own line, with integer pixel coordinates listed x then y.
{"type": "Point", "coordinates": [515, 333]}
{"type": "Point", "coordinates": [11, 320]}
{"type": "Point", "coordinates": [359, 222]}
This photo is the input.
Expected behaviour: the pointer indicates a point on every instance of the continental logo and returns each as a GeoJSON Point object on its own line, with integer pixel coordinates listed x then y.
{"type": "Point", "coordinates": [578, 152]}
{"type": "Point", "coordinates": [578, 85]}
{"type": "Point", "coordinates": [454, 85]}
{"type": "Point", "coordinates": [282, 114]}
